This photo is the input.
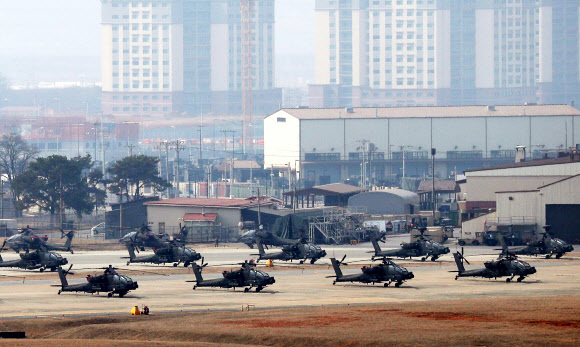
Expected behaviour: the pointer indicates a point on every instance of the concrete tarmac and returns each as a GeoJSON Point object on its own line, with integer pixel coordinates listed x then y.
{"type": "Point", "coordinates": [303, 285]}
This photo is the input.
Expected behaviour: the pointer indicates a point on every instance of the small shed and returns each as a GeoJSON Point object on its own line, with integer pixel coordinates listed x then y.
{"type": "Point", "coordinates": [387, 201]}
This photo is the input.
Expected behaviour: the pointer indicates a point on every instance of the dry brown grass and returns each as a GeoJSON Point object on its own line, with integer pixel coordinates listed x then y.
{"type": "Point", "coordinates": [490, 321]}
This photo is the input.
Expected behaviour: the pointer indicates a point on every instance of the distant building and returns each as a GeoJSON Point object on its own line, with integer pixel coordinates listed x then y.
{"type": "Point", "coordinates": [373, 145]}
{"type": "Point", "coordinates": [167, 58]}
{"type": "Point", "coordinates": [446, 52]}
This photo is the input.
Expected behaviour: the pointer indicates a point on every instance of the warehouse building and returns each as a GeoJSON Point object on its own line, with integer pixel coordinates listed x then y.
{"type": "Point", "coordinates": [524, 197]}
{"type": "Point", "coordinates": [205, 218]}
{"type": "Point", "coordinates": [376, 144]}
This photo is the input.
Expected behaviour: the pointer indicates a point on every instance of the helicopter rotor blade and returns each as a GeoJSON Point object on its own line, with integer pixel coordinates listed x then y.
{"type": "Point", "coordinates": [342, 260]}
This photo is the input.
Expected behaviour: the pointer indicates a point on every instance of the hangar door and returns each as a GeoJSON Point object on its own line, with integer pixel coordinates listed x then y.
{"type": "Point", "coordinates": [565, 221]}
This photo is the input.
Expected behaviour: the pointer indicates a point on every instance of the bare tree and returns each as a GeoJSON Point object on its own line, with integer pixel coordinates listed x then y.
{"type": "Point", "coordinates": [15, 155]}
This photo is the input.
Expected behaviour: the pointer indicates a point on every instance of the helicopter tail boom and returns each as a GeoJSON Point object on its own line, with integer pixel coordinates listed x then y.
{"type": "Point", "coordinates": [336, 267]}
{"type": "Point", "coordinates": [458, 260]}
{"type": "Point", "coordinates": [62, 276]}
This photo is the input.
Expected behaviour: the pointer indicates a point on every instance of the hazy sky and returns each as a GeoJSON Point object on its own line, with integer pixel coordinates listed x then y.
{"type": "Point", "coordinates": [31, 30]}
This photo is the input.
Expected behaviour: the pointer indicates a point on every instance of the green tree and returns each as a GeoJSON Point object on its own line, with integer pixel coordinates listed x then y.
{"type": "Point", "coordinates": [55, 183]}
{"type": "Point", "coordinates": [133, 173]}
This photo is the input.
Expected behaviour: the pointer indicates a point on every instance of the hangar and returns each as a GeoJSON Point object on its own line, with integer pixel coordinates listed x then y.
{"type": "Point", "coordinates": [331, 145]}
{"type": "Point", "coordinates": [387, 202]}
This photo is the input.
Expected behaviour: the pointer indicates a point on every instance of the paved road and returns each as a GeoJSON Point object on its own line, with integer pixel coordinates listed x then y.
{"type": "Point", "coordinates": [295, 286]}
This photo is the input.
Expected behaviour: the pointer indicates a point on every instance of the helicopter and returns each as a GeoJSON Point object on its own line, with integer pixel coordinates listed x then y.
{"type": "Point", "coordinates": [300, 250]}
{"type": "Point", "coordinates": [26, 239]}
{"type": "Point", "coordinates": [506, 265]}
{"type": "Point", "coordinates": [548, 245]}
{"type": "Point", "coordinates": [172, 253]}
{"type": "Point", "coordinates": [110, 281]}
{"type": "Point", "coordinates": [39, 259]}
{"type": "Point", "coordinates": [424, 247]}
{"type": "Point", "coordinates": [267, 237]}
{"type": "Point", "coordinates": [144, 237]}
{"type": "Point", "coordinates": [247, 277]}
{"type": "Point", "coordinates": [388, 272]}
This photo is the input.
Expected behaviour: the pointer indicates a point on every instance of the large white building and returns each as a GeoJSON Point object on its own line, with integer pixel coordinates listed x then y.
{"type": "Point", "coordinates": [333, 145]}
{"type": "Point", "coordinates": [167, 57]}
{"type": "Point", "coordinates": [446, 52]}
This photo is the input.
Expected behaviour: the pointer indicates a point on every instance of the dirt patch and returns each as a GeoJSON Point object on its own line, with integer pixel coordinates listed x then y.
{"type": "Point", "coordinates": [450, 316]}
{"type": "Point", "coordinates": [561, 324]}
{"type": "Point", "coordinates": [318, 321]}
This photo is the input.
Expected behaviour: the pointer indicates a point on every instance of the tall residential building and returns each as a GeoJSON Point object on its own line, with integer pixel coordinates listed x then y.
{"type": "Point", "coordinates": [184, 57]}
{"type": "Point", "coordinates": [446, 52]}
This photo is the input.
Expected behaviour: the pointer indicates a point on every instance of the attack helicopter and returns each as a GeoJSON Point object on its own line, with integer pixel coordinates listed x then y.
{"type": "Point", "coordinates": [423, 247]}
{"type": "Point", "coordinates": [144, 237]}
{"type": "Point", "coordinates": [388, 272]}
{"type": "Point", "coordinates": [505, 265]}
{"type": "Point", "coordinates": [109, 282]}
{"type": "Point", "coordinates": [26, 239]}
{"type": "Point", "coordinates": [172, 253]}
{"type": "Point", "coordinates": [247, 277]}
{"type": "Point", "coordinates": [39, 259]}
{"type": "Point", "coordinates": [268, 239]}
{"type": "Point", "coordinates": [300, 250]}
{"type": "Point", "coordinates": [548, 246]}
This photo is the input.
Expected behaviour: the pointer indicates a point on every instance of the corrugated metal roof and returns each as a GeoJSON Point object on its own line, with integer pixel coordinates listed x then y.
{"type": "Point", "coordinates": [239, 164]}
{"type": "Point", "coordinates": [540, 162]}
{"type": "Point", "coordinates": [440, 186]}
{"type": "Point", "coordinates": [433, 111]}
{"type": "Point", "coordinates": [204, 202]}
{"type": "Point", "coordinates": [200, 217]}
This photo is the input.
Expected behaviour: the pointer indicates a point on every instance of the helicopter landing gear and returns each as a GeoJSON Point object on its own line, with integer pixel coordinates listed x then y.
{"type": "Point", "coordinates": [559, 255]}
{"type": "Point", "coordinates": [246, 290]}
{"type": "Point", "coordinates": [186, 264]}
{"type": "Point", "coordinates": [53, 269]}
{"type": "Point", "coordinates": [110, 295]}
{"type": "Point", "coordinates": [128, 263]}
{"type": "Point", "coordinates": [194, 287]}
{"type": "Point", "coordinates": [259, 288]}
{"type": "Point", "coordinates": [301, 262]}
{"type": "Point", "coordinates": [41, 269]}
{"type": "Point", "coordinates": [59, 292]}
{"type": "Point", "coordinates": [456, 277]}
{"type": "Point", "coordinates": [520, 279]}
{"type": "Point", "coordinates": [333, 283]}
{"type": "Point", "coordinates": [433, 258]}
{"type": "Point", "coordinates": [122, 295]}
{"type": "Point", "coordinates": [386, 284]}
{"type": "Point", "coordinates": [423, 259]}
{"type": "Point", "coordinates": [510, 279]}
{"type": "Point", "coordinates": [174, 264]}
{"type": "Point", "coordinates": [548, 256]}
{"type": "Point", "coordinates": [313, 260]}
{"type": "Point", "coordinates": [398, 284]}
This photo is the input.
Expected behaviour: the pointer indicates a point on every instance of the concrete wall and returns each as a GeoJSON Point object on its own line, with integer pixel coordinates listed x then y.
{"type": "Point", "coordinates": [517, 204]}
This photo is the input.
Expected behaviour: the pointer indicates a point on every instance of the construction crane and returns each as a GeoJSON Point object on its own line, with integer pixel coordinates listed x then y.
{"type": "Point", "coordinates": [247, 14]}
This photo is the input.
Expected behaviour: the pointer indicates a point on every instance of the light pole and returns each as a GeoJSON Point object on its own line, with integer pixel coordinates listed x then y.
{"type": "Point", "coordinates": [434, 202]}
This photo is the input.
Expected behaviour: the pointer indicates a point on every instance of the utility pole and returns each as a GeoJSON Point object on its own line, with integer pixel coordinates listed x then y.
{"type": "Point", "coordinates": [433, 152]}
{"type": "Point", "coordinates": [130, 147]}
{"type": "Point", "coordinates": [178, 148]}
{"type": "Point", "coordinates": [231, 165]}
